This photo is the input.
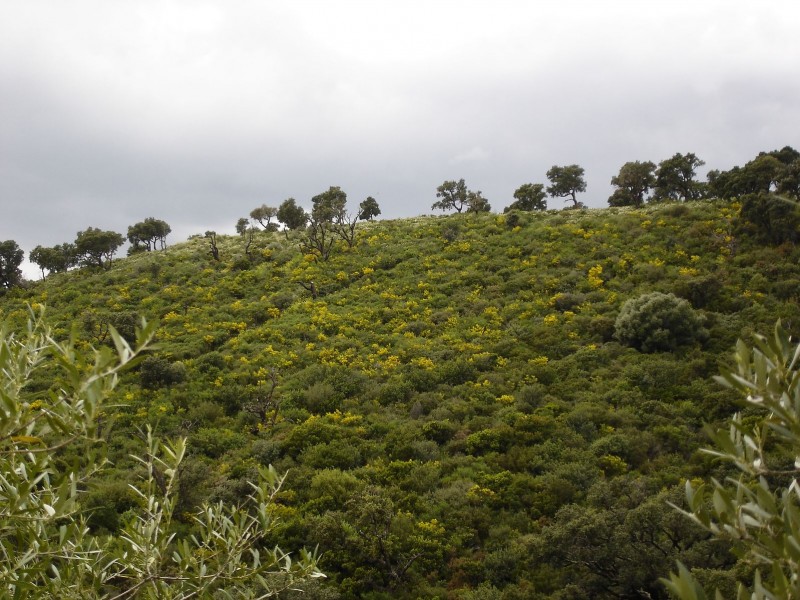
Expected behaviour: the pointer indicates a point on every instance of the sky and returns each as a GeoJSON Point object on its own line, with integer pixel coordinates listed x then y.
{"type": "Point", "coordinates": [197, 111]}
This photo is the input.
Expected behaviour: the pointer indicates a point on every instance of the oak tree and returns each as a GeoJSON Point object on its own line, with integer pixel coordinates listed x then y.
{"type": "Point", "coordinates": [264, 215]}
{"type": "Point", "coordinates": [147, 235]}
{"type": "Point", "coordinates": [95, 247]}
{"type": "Point", "coordinates": [675, 178]}
{"type": "Point", "coordinates": [10, 259]}
{"type": "Point", "coordinates": [476, 203]}
{"type": "Point", "coordinates": [54, 260]}
{"type": "Point", "coordinates": [529, 197]}
{"type": "Point", "coordinates": [291, 215]}
{"type": "Point", "coordinates": [368, 209]}
{"type": "Point", "coordinates": [453, 196]}
{"type": "Point", "coordinates": [566, 182]}
{"type": "Point", "coordinates": [633, 182]}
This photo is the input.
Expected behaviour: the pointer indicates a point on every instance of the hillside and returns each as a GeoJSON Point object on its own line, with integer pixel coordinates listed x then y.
{"type": "Point", "coordinates": [454, 411]}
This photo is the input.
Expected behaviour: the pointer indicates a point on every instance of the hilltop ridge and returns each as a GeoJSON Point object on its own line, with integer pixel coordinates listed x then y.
{"type": "Point", "coordinates": [456, 414]}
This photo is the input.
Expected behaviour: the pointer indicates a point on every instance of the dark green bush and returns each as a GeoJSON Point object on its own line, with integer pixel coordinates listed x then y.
{"type": "Point", "coordinates": [702, 292]}
{"type": "Point", "coordinates": [774, 219]}
{"type": "Point", "coordinates": [322, 398]}
{"type": "Point", "coordinates": [658, 322]}
{"type": "Point", "coordinates": [156, 372]}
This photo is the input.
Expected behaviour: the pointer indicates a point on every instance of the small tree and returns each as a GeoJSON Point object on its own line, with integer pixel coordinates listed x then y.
{"type": "Point", "coordinates": [212, 240]}
{"type": "Point", "coordinates": [241, 226]}
{"type": "Point", "coordinates": [476, 203]}
{"type": "Point", "coordinates": [264, 215]}
{"type": "Point", "coordinates": [292, 215]}
{"type": "Point", "coordinates": [54, 260]}
{"type": "Point", "coordinates": [329, 219]}
{"type": "Point", "coordinates": [529, 197]}
{"type": "Point", "coordinates": [156, 372]}
{"type": "Point", "coordinates": [95, 247]}
{"type": "Point", "coordinates": [453, 196]}
{"type": "Point", "coordinates": [10, 259]}
{"type": "Point", "coordinates": [658, 322]}
{"type": "Point", "coordinates": [758, 512]}
{"type": "Point", "coordinates": [566, 182]}
{"type": "Point", "coordinates": [675, 178]}
{"type": "Point", "coordinates": [148, 234]}
{"type": "Point", "coordinates": [633, 182]}
{"type": "Point", "coordinates": [789, 183]}
{"type": "Point", "coordinates": [764, 172]}
{"type": "Point", "coordinates": [771, 218]}
{"type": "Point", "coordinates": [329, 206]}
{"type": "Point", "coordinates": [368, 209]}
{"type": "Point", "coordinates": [266, 404]}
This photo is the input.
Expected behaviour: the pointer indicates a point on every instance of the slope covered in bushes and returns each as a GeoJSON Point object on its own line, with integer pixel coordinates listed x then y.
{"type": "Point", "coordinates": [459, 410]}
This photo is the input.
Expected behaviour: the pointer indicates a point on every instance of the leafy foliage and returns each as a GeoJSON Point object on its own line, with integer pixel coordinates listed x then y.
{"type": "Point", "coordinates": [455, 380]}
{"type": "Point", "coordinates": [10, 259]}
{"type": "Point", "coordinates": [566, 182]}
{"type": "Point", "coordinates": [772, 218]}
{"type": "Point", "coordinates": [47, 548]}
{"type": "Point", "coordinates": [264, 215]}
{"type": "Point", "coordinates": [529, 196]}
{"type": "Point", "coordinates": [758, 512]}
{"type": "Point", "coordinates": [148, 235]}
{"type": "Point", "coordinates": [368, 209]}
{"type": "Point", "coordinates": [658, 322]}
{"type": "Point", "coordinates": [291, 215]}
{"type": "Point", "coordinates": [95, 247]}
{"type": "Point", "coordinates": [453, 196]}
{"type": "Point", "coordinates": [476, 203]}
{"type": "Point", "coordinates": [633, 182]}
{"type": "Point", "coordinates": [675, 178]}
{"type": "Point", "coordinates": [55, 260]}
{"type": "Point", "coordinates": [768, 172]}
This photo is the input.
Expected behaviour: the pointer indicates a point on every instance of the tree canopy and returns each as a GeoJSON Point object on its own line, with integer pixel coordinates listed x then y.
{"type": "Point", "coordinates": [54, 260]}
{"type": "Point", "coordinates": [264, 215]}
{"type": "Point", "coordinates": [329, 206]}
{"type": "Point", "coordinates": [95, 247]}
{"type": "Point", "coordinates": [147, 235]}
{"type": "Point", "coordinates": [675, 178]}
{"type": "Point", "coordinates": [566, 182]}
{"type": "Point", "coordinates": [633, 182]}
{"type": "Point", "coordinates": [476, 203]}
{"type": "Point", "coordinates": [292, 215]}
{"type": "Point", "coordinates": [10, 259]}
{"type": "Point", "coordinates": [776, 171]}
{"type": "Point", "coordinates": [368, 209]}
{"type": "Point", "coordinates": [529, 196]}
{"type": "Point", "coordinates": [452, 195]}
{"type": "Point", "coordinates": [242, 225]}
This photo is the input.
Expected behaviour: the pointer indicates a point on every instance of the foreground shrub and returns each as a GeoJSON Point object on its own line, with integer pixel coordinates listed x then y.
{"type": "Point", "coordinates": [47, 548]}
{"type": "Point", "coordinates": [758, 512]}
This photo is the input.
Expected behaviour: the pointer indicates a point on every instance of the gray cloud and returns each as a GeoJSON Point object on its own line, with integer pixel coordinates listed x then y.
{"type": "Point", "coordinates": [196, 112]}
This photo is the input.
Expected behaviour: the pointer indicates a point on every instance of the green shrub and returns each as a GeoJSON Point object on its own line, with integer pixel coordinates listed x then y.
{"type": "Point", "coordinates": [774, 219]}
{"type": "Point", "coordinates": [702, 292]}
{"type": "Point", "coordinates": [658, 322]}
{"type": "Point", "coordinates": [156, 372]}
{"type": "Point", "coordinates": [48, 550]}
{"type": "Point", "coordinates": [322, 398]}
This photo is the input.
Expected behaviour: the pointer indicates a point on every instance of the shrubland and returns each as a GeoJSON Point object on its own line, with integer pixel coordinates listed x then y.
{"type": "Point", "coordinates": [455, 400]}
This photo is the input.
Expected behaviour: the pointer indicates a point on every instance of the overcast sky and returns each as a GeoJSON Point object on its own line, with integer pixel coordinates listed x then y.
{"type": "Point", "coordinates": [197, 111]}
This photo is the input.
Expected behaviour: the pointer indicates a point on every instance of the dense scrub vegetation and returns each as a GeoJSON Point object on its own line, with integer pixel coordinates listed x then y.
{"type": "Point", "coordinates": [51, 450]}
{"type": "Point", "coordinates": [457, 411]}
